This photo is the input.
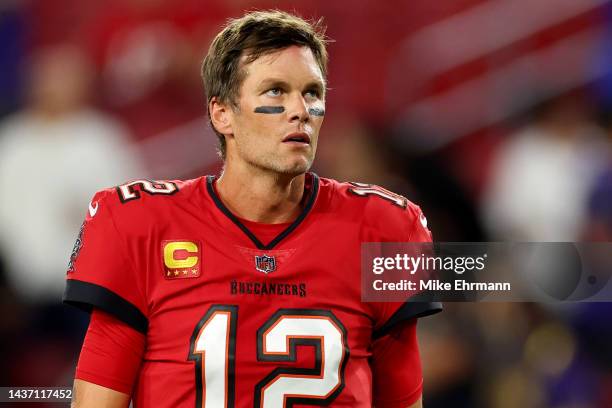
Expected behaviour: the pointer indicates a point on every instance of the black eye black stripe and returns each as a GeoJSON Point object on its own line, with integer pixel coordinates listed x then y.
{"type": "Point", "coordinates": [281, 109]}
{"type": "Point", "coordinates": [316, 111]}
{"type": "Point", "coordinates": [269, 109]}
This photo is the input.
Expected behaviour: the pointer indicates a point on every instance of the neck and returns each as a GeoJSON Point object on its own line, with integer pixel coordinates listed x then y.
{"type": "Point", "coordinates": [265, 197]}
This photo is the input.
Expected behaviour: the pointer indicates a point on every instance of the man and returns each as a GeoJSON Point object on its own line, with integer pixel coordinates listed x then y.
{"type": "Point", "coordinates": [244, 290]}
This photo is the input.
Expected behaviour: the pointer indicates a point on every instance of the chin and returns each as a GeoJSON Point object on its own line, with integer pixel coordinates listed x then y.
{"type": "Point", "coordinates": [293, 166]}
{"type": "Point", "coordinates": [294, 169]}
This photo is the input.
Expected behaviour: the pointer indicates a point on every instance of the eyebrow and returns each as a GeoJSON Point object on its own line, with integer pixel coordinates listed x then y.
{"type": "Point", "coordinates": [274, 82]}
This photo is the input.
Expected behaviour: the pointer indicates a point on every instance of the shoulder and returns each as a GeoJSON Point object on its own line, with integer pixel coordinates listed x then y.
{"type": "Point", "coordinates": [143, 201]}
{"type": "Point", "coordinates": [392, 215]}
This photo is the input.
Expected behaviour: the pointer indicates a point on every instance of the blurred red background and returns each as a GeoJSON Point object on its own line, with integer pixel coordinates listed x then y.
{"type": "Point", "coordinates": [494, 116]}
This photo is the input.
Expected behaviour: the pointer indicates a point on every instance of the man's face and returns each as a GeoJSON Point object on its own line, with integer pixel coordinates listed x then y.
{"type": "Point", "coordinates": [280, 111]}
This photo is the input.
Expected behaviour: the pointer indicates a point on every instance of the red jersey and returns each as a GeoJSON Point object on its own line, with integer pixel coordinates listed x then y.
{"type": "Point", "coordinates": [234, 321]}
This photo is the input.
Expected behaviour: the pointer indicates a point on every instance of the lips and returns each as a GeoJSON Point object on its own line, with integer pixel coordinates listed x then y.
{"type": "Point", "coordinates": [297, 137]}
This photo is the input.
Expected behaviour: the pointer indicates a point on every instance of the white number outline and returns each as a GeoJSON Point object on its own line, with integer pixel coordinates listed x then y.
{"type": "Point", "coordinates": [363, 190]}
{"type": "Point", "coordinates": [290, 355]}
{"type": "Point", "coordinates": [127, 192]}
{"type": "Point", "coordinates": [198, 355]}
{"type": "Point", "coordinates": [218, 316]}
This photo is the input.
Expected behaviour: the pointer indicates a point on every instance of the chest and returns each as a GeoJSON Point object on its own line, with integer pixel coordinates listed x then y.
{"type": "Point", "coordinates": [285, 320]}
{"type": "Point", "coordinates": [192, 266]}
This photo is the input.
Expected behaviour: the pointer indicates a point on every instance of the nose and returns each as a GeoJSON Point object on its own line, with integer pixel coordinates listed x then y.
{"type": "Point", "coordinates": [297, 109]}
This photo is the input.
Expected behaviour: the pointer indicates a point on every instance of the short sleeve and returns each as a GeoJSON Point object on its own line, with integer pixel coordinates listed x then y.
{"type": "Point", "coordinates": [100, 272]}
{"type": "Point", "coordinates": [419, 232]}
{"type": "Point", "coordinates": [111, 354]}
{"type": "Point", "coordinates": [389, 314]}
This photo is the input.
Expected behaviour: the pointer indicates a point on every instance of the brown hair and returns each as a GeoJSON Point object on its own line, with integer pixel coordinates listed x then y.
{"type": "Point", "coordinates": [255, 34]}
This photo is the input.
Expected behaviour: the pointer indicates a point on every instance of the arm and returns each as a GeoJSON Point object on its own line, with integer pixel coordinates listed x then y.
{"type": "Point", "coordinates": [108, 365]}
{"type": "Point", "coordinates": [90, 395]}
{"type": "Point", "coordinates": [396, 368]}
{"type": "Point", "coordinates": [418, 404]}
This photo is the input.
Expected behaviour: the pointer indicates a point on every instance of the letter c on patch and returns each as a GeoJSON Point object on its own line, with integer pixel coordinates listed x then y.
{"type": "Point", "coordinates": [172, 258]}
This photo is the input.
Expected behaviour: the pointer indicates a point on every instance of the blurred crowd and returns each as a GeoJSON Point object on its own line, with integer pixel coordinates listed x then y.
{"type": "Point", "coordinates": [494, 116]}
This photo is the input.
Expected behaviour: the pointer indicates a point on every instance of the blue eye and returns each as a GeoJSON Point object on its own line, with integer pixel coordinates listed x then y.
{"type": "Point", "coordinates": [313, 93]}
{"type": "Point", "coordinates": [273, 92]}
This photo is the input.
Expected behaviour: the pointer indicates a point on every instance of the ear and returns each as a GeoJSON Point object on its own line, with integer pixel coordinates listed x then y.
{"type": "Point", "coordinates": [220, 116]}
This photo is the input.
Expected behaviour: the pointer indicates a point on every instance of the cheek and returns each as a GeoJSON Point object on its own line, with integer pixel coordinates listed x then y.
{"type": "Point", "coordinates": [253, 129]}
{"type": "Point", "coordinates": [316, 125]}
{"type": "Point", "coordinates": [265, 122]}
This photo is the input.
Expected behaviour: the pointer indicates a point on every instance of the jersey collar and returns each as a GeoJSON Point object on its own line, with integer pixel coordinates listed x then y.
{"type": "Point", "coordinates": [310, 200]}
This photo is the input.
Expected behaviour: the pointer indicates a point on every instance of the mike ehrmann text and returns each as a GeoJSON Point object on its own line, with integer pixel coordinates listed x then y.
{"type": "Point", "coordinates": [437, 285]}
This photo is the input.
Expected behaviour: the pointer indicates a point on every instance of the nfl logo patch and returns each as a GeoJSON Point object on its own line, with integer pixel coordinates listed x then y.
{"type": "Point", "coordinates": [265, 263]}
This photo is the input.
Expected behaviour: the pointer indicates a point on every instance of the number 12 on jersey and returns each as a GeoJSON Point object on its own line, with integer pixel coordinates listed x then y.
{"type": "Point", "coordinates": [213, 348]}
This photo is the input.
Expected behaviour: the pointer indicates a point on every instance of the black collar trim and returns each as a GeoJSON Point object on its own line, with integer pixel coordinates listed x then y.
{"type": "Point", "coordinates": [309, 204]}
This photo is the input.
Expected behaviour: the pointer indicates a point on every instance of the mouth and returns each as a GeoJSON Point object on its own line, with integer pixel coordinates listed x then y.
{"type": "Point", "coordinates": [298, 138]}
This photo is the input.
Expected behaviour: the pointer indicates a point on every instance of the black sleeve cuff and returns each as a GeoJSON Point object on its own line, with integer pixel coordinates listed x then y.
{"type": "Point", "coordinates": [86, 296]}
{"type": "Point", "coordinates": [409, 310]}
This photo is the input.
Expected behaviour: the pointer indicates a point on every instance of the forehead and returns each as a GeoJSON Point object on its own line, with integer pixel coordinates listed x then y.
{"type": "Point", "coordinates": [294, 63]}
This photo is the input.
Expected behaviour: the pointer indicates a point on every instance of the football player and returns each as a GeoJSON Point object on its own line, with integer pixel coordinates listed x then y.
{"type": "Point", "coordinates": [244, 290]}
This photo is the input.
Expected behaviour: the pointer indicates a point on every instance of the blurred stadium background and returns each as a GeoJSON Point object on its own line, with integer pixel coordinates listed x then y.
{"type": "Point", "coordinates": [493, 115]}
